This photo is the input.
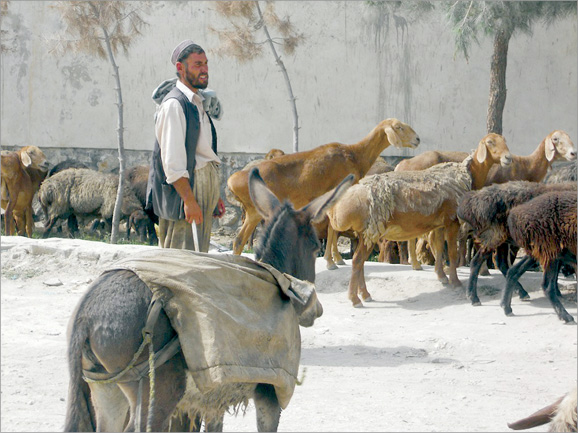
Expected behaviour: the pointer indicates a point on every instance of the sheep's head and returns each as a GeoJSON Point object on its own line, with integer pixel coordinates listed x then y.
{"type": "Point", "coordinates": [399, 134]}
{"type": "Point", "coordinates": [33, 157]}
{"type": "Point", "coordinates": [558, 146]}
{"type": "Point", "coordinates": [494, 146]}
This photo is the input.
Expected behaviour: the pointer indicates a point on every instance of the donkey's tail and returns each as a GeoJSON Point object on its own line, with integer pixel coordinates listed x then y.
{"type": "Point", "coordinates": [78, 414]}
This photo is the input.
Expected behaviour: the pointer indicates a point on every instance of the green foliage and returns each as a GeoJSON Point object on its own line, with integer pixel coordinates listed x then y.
{"type": "Point", "coordinates": [472, 18]}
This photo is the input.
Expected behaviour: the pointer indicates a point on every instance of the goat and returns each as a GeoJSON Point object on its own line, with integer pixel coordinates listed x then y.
{"type": "Point", "coordinates": [107, 326]}
{"type": "Point", "coordinates": [546, 228]}
{"type": "Point", "coordinates": [83, 192]}
{"type": "Point", "coordinates": [486, 213]}
{"type": "Point", "coordinates": [403, 205]}
{"type": "Point", "coordinates": [22, 173]}
{"type": "Point", "coordinates": [303, 176]}
{"type": "Point", "coordinates": [555, 146]}
{"type": "Point", "coordinates": [561, 414]}
{"type": "Point", "coordinates": [143, 221]}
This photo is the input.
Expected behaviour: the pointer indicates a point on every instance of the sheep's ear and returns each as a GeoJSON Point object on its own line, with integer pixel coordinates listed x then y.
{"type": "Point", "coordinates": [550, 149]}
{"type": "Point", "coordinates": [25, 158]}
{"type": "Point", "coordinates": [319, 206]}
{"type": "Point", "coordinates": [264, 200]}
{"type": "Point", "coordinates": [392, 136]}
{"type": "Point", "coordinates": [482, 152]}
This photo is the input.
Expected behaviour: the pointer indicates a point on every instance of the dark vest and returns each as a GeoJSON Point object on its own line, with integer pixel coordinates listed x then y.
{"type": "Point", "coordinates": [162, 198]}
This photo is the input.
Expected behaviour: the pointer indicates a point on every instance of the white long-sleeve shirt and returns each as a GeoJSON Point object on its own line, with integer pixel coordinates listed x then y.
{"type": "Point", "coordinates": [171, 129]}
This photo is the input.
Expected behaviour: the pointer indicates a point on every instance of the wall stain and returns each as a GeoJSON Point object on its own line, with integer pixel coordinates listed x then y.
{"type": "Point", "coordinates": [75, 74]}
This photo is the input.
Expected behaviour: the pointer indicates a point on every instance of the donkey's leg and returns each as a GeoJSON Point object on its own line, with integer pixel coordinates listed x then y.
{"type": "Point", "coordinates": [267, 408]}
{"type": "Point", "coordinates": [110, 406]}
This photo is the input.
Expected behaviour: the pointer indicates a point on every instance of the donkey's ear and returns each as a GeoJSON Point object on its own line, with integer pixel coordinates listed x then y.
{"type": "Point", "coordinates": [264, 200]}
{"type": "Point", "coordinates": [319, 206]}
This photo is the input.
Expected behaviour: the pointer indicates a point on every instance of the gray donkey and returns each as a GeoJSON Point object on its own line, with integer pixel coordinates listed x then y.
{"type": "Point", "coordinates": [110, 326]}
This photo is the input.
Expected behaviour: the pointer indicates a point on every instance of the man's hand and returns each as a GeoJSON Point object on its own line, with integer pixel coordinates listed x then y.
{"type": "Point", "coordinates": [191, 207]}
{"type": "Point", "coordinates": [220, 209]}
{"type": "Point", "coordinates": [193, 211]}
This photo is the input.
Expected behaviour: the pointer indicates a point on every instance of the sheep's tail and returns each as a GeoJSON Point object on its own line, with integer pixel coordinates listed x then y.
{"type": "Point", "coordinates": [78, 417]}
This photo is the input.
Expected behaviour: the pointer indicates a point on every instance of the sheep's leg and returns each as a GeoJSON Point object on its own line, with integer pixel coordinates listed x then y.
{"type": "Point", "coordinates": [437, 245]}
{"type": "Point", "coordinates": [512, 277]}
{"type": "Point", "coordinates": [452, 239]}
{"type": "Point", "coordinates": [502, 262]}
{"type": "Point", "coordinates": [267, 408]}
{"type": "Point", "coordinates": [357, 281]}
{"type": "Point", "coordinates": [335, 250]}
{"type": "Point", "coordinates": [328, 256]}
{"type": "Point", "coordinates": [415, 264]}
{"type": "Point", "coordinates": [475, 264]}
{"type": "Point", "coordinates": [252, 219]}
{"type": "Point", "coordinates": [550, 287]}
{"type": "Point", "coordinates": [48, 226]}
{"type": "Point", "coordinates": [403, 253]}
{"type": "Point", "coordinates": [9, 217]}
{"type": "Point", "coordinates": [29, 213]}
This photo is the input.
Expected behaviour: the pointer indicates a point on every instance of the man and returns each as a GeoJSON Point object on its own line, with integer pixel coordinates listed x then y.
{"type": "Point", "coordinates": [183, 185]}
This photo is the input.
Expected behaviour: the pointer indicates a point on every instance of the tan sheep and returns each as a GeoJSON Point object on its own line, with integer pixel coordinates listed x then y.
{"type": "Point", "coordinates": [404, 205]}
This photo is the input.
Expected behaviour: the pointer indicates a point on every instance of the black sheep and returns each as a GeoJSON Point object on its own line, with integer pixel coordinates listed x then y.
{"type": "Point", "coordinates": [546, 228]}
{"type": "Point", "coordinates": [486, 211]}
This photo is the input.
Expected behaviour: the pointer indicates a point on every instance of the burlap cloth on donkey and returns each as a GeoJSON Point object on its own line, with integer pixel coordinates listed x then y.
{"type": "Point", "coordinates": [234, 316]}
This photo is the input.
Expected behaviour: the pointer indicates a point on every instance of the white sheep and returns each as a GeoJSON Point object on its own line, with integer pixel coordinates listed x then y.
{"type": "Point", "coordinates": [83, 192]}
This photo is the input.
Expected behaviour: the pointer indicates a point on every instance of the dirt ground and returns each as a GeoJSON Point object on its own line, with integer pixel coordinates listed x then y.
{"type": "Point", "coordinates": [418, 358]}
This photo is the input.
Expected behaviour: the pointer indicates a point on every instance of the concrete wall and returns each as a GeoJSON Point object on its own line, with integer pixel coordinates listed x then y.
{"type": "Point", "coordinates": [350, 73]}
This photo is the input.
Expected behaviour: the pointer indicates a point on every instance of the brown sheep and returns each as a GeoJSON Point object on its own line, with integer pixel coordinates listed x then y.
{"type": "Point", "coordinates": [555, 146]}
{"type": "Point", "coordinates": [303, 176]}
{"type": "Point", "coordinates": [22, 173]}
{"type": "Point", "coordinates": [403, 205]}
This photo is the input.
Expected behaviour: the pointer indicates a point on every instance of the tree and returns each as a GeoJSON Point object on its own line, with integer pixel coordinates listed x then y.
{"type": "Point", "coordinates": [500, 20]}
{"type": "Point", "coordinates": [241, 42]}
{"type": "Point", "coordinates": [102, 28]}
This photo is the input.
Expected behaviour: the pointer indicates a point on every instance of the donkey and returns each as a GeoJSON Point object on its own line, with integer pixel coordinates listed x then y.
{"type": "Point", "coordinates": [107, 326]}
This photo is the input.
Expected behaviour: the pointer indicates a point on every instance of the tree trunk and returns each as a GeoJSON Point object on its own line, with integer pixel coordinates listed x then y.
{"type": "Point", "coordinates": [118, 203]}
{"type": "Point", "coordinates": [287, 82]}
{"type": "Point", "coordinates": [498, 90]}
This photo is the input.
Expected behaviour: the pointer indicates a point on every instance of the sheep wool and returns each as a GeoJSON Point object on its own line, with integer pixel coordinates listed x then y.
{"type": "Point", "coordinates": [421, 191]}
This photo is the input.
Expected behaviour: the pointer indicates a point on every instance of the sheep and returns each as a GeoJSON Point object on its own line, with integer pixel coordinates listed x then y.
{"type": "Point", "coordinates": [421, 162]}
{"type": "Point", "coordinates": [403, 205]}
{"type": "Point", "coordinates": [565, 172]}
{"type": "Point", "coordinates": [64, 165]}
{"type": "Point", "coordinates": [143, 221]}
{"type": "Point", "coordinates": [83, 192]}
{"type": "Point", "coordinates": [486, 212]}
{"type": "Point", "coordinates": [561, 414]}
{"type": "Point", "coordinates": [303, 176]}
{"type": "Point", "coordinates": [546, 228]}
{"type": "Point", "coordinates": [555, 146]}
{"type": "Point", "coordinates": [429, 159]}
{"type": "Point", "coordinates": [22, 173]}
